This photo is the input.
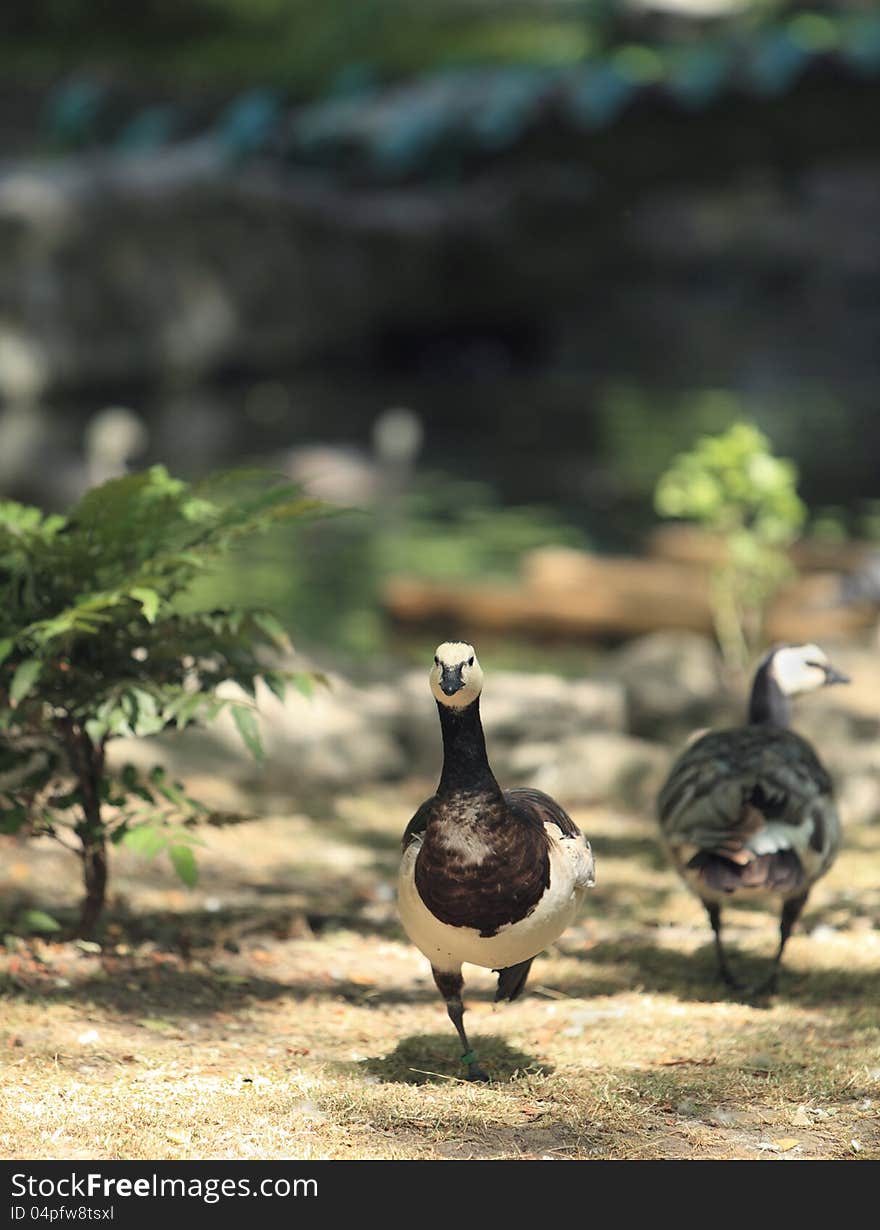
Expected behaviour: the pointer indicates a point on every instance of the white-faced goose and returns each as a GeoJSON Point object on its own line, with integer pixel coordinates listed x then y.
{"type": "Point", "coordinates": [490, 877]}
{"type": "Point", "coordinates": [749, 812]}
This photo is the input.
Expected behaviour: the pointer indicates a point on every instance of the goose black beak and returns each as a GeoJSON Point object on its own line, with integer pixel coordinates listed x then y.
{"type": "Point", "coordinates": [833, 675]}
{"type": "Point", "coordinates": [451, 680]}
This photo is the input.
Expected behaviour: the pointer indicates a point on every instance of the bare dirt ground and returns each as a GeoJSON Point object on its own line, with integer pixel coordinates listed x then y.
{"type": "Point", "coordinates": [278, 1011]}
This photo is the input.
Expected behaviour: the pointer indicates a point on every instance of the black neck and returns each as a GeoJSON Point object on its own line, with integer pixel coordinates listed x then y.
{"type": "Point", "coordinates": [465, 763]}
{"type": "Point", "coordinates": [768, 706]}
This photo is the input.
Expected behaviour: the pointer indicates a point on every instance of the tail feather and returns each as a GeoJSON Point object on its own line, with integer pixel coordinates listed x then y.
{"type": "Point", "coordinates": [512, 980]}
{"type": "Point", "coordinates": [780, 871]}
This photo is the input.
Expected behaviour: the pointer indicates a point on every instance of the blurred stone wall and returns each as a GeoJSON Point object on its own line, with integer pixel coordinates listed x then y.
{"type": "Point", "coordinates": [653, 254]}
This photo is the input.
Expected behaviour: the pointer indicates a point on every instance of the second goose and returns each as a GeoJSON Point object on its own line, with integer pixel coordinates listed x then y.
{"type": "Point", "coordinates": [749, 812]}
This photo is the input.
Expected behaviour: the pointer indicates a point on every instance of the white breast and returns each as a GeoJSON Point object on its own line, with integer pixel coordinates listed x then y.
{"type": "Point", "coordinates": [446, 947]}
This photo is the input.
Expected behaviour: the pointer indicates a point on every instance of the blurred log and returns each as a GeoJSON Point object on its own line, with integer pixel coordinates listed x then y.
{"type": "Point", "coordinates": [686, 545]}
{"type": "Point", "coordinates": [807, 610]}
{"type": "Point", "coordinates": [570, 594]}
{"type": "Point", "coordinates": [596, 607]}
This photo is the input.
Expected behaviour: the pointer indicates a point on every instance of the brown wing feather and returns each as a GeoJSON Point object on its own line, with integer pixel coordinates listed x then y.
{"type": "Point", "coordinates": [419, 822]}
{"type": "Point", "coordinates": [538, 807]}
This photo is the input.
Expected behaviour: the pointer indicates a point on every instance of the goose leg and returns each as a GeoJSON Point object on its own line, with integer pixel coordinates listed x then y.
{"type": "Point", "coordinates": [791, 911]}
{"type": "Point", "coordinates": [450, 986]}
{"type": "Point", "coordinates": [713, 909]}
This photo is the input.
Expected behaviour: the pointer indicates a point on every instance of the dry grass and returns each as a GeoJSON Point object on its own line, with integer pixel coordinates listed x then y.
{"type": "Point", "coordinates": [278, 1012]}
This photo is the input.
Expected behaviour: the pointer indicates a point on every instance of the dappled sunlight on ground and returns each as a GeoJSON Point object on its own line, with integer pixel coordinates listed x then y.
{"type": "Point", "coordinates": [277, 1010]}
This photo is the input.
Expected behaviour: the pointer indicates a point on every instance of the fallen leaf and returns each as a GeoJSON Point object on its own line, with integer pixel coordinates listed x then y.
{"type": "Point", "coordinates": [156, 1024]}
{"type": "Point", "coordinates": [786, 1143]}
{"type": "Point", "coordinates": [38, 920]}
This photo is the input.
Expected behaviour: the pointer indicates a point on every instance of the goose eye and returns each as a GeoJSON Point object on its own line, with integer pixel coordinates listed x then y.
{"type": "Point", "coordinates": [470, 661]}
{"type": "Point", "coordinates": [436, 660]}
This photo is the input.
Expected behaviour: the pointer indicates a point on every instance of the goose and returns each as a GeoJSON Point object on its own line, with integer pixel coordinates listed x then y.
{"type": "Point", "coordinates": [749, 812]}
{"type": "Point", "coordinates": [488, 877]}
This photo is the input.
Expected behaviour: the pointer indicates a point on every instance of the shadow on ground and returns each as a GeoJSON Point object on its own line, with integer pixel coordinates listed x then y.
{"type": "Point", "coordinates": [432, 1058]}
{"type": "Point", "coordinates": [140, 988]}
{"type": "Point", "coordinates": [693, 977]}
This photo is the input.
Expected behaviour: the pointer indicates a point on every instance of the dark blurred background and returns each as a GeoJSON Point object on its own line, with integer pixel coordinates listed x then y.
{"type": "Point", "coordinates": [477, 269]}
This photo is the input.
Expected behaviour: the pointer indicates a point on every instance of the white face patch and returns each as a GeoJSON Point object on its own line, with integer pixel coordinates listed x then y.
{"type": "Point", "coordinates": [800, 668]}
{"type": "Point", "coordinates": [456, 666]}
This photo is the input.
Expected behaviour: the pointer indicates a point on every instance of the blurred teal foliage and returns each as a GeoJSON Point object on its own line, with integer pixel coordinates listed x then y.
{"type": "Point", "coordinates": [247, 124]}
{"type": "Point", "coordinates": [73, 113]}
{"type": "Point", "coordinates": [473, 76]}
{"type": "Point", "coordinates": [148, 129]}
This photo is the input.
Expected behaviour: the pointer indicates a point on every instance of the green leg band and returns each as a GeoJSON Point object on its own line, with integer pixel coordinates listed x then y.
{"type": "Point", "coordinates": [469, 1057]}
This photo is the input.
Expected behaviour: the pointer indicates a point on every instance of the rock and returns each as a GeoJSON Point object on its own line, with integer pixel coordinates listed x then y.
{"type": "Point", "coordinates": [547, 707]}
{"type": "Point", "coordinates": [827, 725]}
{"type": "Point", "coordinates": [672, 683]}
{"type": "Point", "coordinates": [855, 770]}
{"type": "Point", "coordinates": [722, 1116]}
{"type": "Point", "coordinates": [540, 730]}
{"type": "Point", "coordinates": [515, 707]}
{"type": "Point", "coordinates": [858, 797]}
{"type": "Point", "coordinates": [591, 768]}
{"type": "Point", "coordinates": [340, 737]}
{"type": "Point", "coordinates": [336, 738]}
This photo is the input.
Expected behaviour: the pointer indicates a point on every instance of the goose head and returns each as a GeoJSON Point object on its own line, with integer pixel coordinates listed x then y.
{"type": "Point", "coordinates": [798, 669]}
{"type": "Point", "coordinates": [456, 676]}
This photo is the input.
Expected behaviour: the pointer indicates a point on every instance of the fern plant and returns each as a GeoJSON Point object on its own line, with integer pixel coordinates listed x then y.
{"type": "Point", "coordinates": [96, 642]}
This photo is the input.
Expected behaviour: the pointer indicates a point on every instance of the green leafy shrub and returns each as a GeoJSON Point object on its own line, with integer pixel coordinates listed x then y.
{"type": "Point", "coordinates": [95, 644]}
{"type": "Point", "coordinates": [732, 485]}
